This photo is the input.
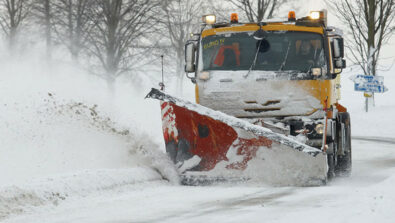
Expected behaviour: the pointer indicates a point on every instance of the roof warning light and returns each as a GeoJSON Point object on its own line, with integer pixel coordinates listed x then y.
{"type": "Point", "coordinates": [291, 16]}
{"type": "Point", "coordinates": [234, 18]}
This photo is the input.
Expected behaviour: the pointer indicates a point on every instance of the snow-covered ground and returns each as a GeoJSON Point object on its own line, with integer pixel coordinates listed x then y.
{"type": "Point", "coordinates": [367, 196]}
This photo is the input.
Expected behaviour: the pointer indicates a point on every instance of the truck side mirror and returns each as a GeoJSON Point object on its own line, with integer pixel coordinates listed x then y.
{"type": "Point", "coordinates": [190, 52]}
{"type": "Point", "coordinates": [340, 63]}
{"type": "Point", "coordinates": [338, 53]}
{"type": "Point", "coordinates": [341, 46]}
{"type": "Point", "coordinates": [338, 48]}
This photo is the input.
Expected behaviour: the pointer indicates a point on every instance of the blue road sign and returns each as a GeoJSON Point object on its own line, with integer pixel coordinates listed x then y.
{"type": "Point", "coordinates": [368, 87]}
{"type": "Point", "coordinates": [367, 83]}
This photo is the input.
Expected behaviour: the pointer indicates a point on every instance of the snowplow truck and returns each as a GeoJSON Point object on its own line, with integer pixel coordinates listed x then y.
{"type": "Point", "coordinates": [267, 104]}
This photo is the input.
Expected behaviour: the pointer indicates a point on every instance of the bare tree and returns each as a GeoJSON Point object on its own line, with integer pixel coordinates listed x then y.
{"type": "Point", "coordinates": [257, 10]}
{"type": "Point", "coordinates": [181, 19]}
{"type": "Point", "coordinates": [13, 14]}
{"type": "Point", "coordinates": [369, 25]}
{"type": "Point", "coordinates": [72, 24]}
{"type": "Point", "coordinates": [43, 11]}
{"type": "Point", "coordinates": [119, 24]}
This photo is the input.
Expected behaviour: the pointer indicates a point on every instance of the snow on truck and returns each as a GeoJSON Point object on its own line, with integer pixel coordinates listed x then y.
{"type": "Point", "coordinates": [267, 104]}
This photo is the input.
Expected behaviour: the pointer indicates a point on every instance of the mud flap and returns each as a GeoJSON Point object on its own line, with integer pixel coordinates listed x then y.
{"type": "Point", "coordinates": [231, 148]}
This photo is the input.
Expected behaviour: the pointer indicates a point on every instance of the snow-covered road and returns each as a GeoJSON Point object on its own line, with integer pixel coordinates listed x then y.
{"type": "Point", "coordinates": [365, 196]}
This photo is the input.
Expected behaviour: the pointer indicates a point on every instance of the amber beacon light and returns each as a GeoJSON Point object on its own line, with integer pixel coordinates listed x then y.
{"type": "Point", "coordinates": [291, 16]}
{"type": "Point", "coordinates": [234, 18]}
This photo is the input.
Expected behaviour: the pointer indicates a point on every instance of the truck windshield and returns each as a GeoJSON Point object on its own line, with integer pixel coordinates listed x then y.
{"type": "Point", "coordinates": [279, 51]}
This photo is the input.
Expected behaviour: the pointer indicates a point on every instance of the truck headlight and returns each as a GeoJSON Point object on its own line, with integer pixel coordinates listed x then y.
{"type": "Point", "coordinates": [316, 71]}
{"type": "Point", "coordinates": [315, 15]}
{"type": "Point", "coordinates": [209, 19]}
{"type": "Point", "coordinates": [204, 75]}
{"type": "Point", "coordinates": [319, 128]}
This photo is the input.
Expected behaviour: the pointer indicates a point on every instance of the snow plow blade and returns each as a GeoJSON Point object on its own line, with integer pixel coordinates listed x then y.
{"type": "Point", "coordinates": [209, 146]}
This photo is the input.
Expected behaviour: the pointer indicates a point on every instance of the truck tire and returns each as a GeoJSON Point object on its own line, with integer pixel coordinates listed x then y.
{"type": "Point", "coordinates": [331, 166]}
{"type": "Point", "coordinates": [344, 158]}
{"type": "Point", "coordinates": [332, 160]}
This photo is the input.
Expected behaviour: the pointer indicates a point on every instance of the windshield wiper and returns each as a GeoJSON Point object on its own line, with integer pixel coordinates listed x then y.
{"type": "Point", "coordinates": [253, 62]}
{"type": "Point", "coordinates": [259, 35]}
{"type": "Point", "coordinates": [286, 57]}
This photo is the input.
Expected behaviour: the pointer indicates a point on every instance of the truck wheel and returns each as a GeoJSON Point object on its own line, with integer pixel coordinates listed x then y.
{"type": "Point", "coordinates": [331, 166]}
{"type": "Point", "coordinates": [332, 160]}
{"type": "Point", "coordinates": [344, 161]}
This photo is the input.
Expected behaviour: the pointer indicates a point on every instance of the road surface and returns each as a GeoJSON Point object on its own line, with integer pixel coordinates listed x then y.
{"type": "Point", "coordinates": [366, 196]}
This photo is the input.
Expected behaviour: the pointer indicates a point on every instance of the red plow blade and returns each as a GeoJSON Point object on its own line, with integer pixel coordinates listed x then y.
{"type": "Point", "coordinates": [208, 145]}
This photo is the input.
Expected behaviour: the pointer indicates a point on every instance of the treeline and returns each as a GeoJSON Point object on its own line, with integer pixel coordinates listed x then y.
{"type": "Point", "coordinates": [109, 35]}
{"type": "Point", "coordinates": [113, 37]}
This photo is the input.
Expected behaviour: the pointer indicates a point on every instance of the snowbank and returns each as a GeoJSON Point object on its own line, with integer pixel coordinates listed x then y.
{"type": "Point", "coordinates": [58, 121]}
{"type": "Point", "coordinates": [52, 190]}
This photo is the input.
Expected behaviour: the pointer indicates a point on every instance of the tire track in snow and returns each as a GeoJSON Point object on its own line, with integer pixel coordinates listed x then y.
{"type": "Point", "coordinates": [375, 139]}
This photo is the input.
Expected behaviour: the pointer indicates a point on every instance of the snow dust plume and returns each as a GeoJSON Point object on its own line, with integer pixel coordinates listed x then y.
{"type": "Point", "coordinates": [61, 133]}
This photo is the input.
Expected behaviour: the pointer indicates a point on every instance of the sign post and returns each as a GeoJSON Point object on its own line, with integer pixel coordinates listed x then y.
{"type": "Point", "coordinates": [369, 85]}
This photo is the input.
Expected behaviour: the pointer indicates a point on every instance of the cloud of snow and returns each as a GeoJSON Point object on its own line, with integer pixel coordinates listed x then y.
{"type": "Point", "coordinates": [57, 120]}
